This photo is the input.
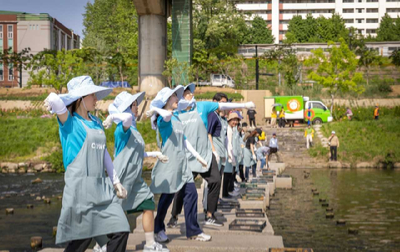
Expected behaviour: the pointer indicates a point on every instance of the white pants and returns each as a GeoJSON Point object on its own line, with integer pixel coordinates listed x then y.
{"type": "Point", "coordinates": [309, 140]}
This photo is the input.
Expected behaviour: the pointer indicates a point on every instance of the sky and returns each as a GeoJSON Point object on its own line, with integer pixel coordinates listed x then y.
{"type": "Point", "coordinates": [68, 12]}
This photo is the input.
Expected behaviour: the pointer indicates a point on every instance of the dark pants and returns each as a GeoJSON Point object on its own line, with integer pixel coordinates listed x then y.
{"type": "Point", "coordinates": [253, 168]}
{"type": "Point", "coordinates": [241, 172]}
{"type": "Point", "coordinates": [376, 117]}
{"type": "Point", "coordinates": [190, 204]}
{"type": "Point", "coordinates": [334, 153]}
{"type": "Point", "coordinates": [117, 243]}
{"type": "Point", "coordinates": [227, 185]}
{"type": "Point", "coordinates": [213, 178]}
{"type": "Point", "coordinates": [282, 122]}
{"type": "Point", "coordinates": [252, 122]}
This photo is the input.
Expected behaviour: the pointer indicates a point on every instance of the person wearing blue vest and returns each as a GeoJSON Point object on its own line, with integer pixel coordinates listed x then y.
{"type": "Point", "coordinates": [175, 175]}
{"type": "Point", "coordinates": [194, 117]}
{"type": "Point", "coordinates": [90, 207]}
{"type": "Point", "coordinates": [128, 162]}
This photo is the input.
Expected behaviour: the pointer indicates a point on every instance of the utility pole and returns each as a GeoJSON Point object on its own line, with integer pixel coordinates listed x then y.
{"type": "Point", "coordinates": [257, 68]}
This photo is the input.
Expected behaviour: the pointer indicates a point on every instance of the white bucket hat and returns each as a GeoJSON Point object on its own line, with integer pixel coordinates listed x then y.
{"type": "Point", "coordinates": [191, 87]}
{"type": "Point", "coordinates": [333, 132]}
{"type": "Point", "coordinates": [81, 86]}
{"type": "Point", "coordinates": [124, 100]}
{"type": "Point", "coordinates": [162, 97]}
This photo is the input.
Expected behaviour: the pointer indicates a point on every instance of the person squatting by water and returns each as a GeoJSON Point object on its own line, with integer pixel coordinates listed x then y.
{"type": "Point", "coordinates": [194, 116]}
{"type": "Point", "coordinates": [90, 208]}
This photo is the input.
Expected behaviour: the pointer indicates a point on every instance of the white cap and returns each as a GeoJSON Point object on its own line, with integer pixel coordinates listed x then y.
{"type": "Point", "coordinates": [333, 132]}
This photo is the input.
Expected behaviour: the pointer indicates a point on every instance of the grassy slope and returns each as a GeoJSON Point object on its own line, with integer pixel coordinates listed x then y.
{"type": "Point", "coordinates": [24, 138]}
{"type": "Point", "coordinates": [368, 140]}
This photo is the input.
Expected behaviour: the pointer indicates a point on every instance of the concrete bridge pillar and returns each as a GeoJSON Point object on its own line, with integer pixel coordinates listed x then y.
{"type": "Point", "coordinates": [152, 44]}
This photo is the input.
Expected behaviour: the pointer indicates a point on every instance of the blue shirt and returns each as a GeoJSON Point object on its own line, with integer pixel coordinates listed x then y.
{"type": "Point", "coordinates": [204, 108]}
{"type": "Point", "coordinates": [73, 135]}
{"type": "Point", "coordinates": [273, 143]}
{"type": "Point", "coordinates": [121, 138]}
{"type": "Point", "coordinates": [165, 128]}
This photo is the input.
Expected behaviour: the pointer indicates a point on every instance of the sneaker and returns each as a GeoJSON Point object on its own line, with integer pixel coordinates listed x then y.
{"type": "Point", "coordinates": [237, 189]}
{"type": "Point", "coordinates": [97, 248]}
{"type": "Point", "coordinates": [173, 222]}
{"type": "Point", "coordinates": [161, 237]}
{"type": "Point", "coordinates": [201, 237]}
{"type": "Point", "coordinates": [155, 247]}
{"type": "Point", "coordinates": [233, 193]}
{"type": "Point", "coordinates": [212, 221]}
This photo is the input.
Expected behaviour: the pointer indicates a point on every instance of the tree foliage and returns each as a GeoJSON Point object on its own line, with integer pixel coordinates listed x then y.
{"type": "Point", "coordinates": [312, 29]}
{"type": "Point", "coordinates": [259, 32]}
{"type": "Point", "coordinates": [395, 56]}
{"type": "Point", "coordinates": [389, 29]}
{"type": "Point", "coordinates": [335, 70]}
{"type": "Point", "coordinates": [111, 27]}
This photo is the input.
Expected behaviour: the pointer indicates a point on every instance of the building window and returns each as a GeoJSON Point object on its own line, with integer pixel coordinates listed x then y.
{"type": "Point", "coordinates": [349, 21]}
{"type": "Point", "coordinates": [55, 39]}
{"type": "Point", "coordinates": [62, 41]}
{"type": "Point", "coordinates": [360, 31]}
{"type": "Point", "coordinates": [372, 1]}
{"type": "Point", "coordinates": [371, 31]}
{"type": "Point", "coordinates": [375, 10]}
{"type": "Point", "coordinates": [360, 21]}
{"type": "Point", "coordinates": [348, 10]}
{"type": "Point", "coordinates": [372, 20]}
{"type": "Point", "coordinates": [10, 37]}
{"type": "Point", "coordinates": [10, 72]}
{"type": "Point", "coordinates": [69, 43]}
{"type": "Point", "coordinates": [1, 38]}
{"type": "Point", "coordinates": [392, 0]}
{"type": "Point", "coordinates": [1, 72]}
{"type": "Point", "coordinates": [360, 1]}
{"type": "Point", "coordinates": [348, 1]}
{"type": "Point", "coordinates": [360, 10]}
{"type": "Point", "coordinates": [390, 10]}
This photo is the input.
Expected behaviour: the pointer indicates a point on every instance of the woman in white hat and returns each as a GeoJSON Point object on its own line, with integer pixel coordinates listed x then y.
{"type": "Point", "coordinates": [233, 154]}
{"type": "Point", "coordinates": [89, 206]}
{"type": "Point", "coordinates": [168, 178]}
{"type": "Point", "coordinates": [128, 162]}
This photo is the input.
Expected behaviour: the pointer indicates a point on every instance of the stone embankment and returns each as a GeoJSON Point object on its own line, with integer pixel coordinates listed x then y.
{"type": "Point", "coordinates": [21, 168]}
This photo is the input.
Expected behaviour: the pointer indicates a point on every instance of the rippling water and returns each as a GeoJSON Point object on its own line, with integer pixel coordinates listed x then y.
{"type": "Point", "coordinates": [369, 200]}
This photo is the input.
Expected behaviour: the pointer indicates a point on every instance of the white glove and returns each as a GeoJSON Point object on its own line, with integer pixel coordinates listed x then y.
{"type": "Point", "coordinates": [163, 159]}
{"type": "Point", "coordinates": [254, 157]}
{"type": "Point", "coordinates": [250, 105]}
{"type": "Point", "coordinates": [238, 178]}
{"type": "Point", "coordinates": [121, 192]}
{"type": "Point", "coordinates": [54, 104]}
{"type": "Point", "coordinates": [202, 162]}
{"type": "Point", "coordinates": [150, 112]}
{"type": "Point", "coordinates": [216, 156]}
{"type": "Point", "coordinates": [108, 122]}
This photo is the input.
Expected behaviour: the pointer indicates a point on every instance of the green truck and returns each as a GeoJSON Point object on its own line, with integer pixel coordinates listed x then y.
{"type": "Point", "coordinates": [298, 108]}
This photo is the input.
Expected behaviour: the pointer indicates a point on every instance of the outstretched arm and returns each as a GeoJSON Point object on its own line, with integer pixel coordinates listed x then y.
{"type": "Point", "coordinates": [165, 114]}
{"type": "Point", "coordinates": [125, 118]}
{"type": "Point", "coordinates": [233, 105]}
{"type": "Point", "coordinates": [54, 104]}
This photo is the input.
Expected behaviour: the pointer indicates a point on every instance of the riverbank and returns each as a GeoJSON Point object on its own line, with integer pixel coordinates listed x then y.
{"type": "Point", "coordinates": [367, 144]}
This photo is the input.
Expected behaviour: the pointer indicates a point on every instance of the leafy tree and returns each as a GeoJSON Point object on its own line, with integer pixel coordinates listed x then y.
{"type": "Point", "coordinates": [260, 33]}
{"type": "Point", "coordinates": [395, 56]}
{"type": "Point", "coordinates": [175, 70]}
{"type": "Point", "coordinates": [389, 29]}
{"type": "Point", "coordinates": [54, 68]}
{"type": "Point", "coordinates": [19, 60]}
{"type": "Point", "coordinates": [111, 27]}
{"type": "Point", "coordinates": [335, 70]}
{"type": "Point", "coordinates": [368, 57]}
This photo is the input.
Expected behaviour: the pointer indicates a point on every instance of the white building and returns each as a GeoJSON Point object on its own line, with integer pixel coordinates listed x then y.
{"type": "Point", "coordinates": [364, 15]}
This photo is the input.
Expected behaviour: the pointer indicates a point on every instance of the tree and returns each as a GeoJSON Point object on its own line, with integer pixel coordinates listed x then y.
{"type": "Point", "coordinates": [395, 56]}
{"type": "Point", "coordinates": [260, 33]}
{"type": "Point", "coordinates": [368, 57]}
{"type": "Point", "coordinates": [288, 65]}
{"type": "Point", "coordinates": [54, 68]}
{"type": "Point", "coordinates": [175, 70]}
{"type": "Point", "coordinates": [111, 27]}
{"type": "Point", "coordinates": [335, 70]}
{"type": "Point", "coordinates": [389, 29]}
{"type": "Point", "coordinates": [18, 60]}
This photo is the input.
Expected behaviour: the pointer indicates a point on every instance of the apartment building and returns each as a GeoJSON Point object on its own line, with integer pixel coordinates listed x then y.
{"type": "Point", "coordinates": [19, 30]}
{"type": "Point", "coordinates": [364, 15]}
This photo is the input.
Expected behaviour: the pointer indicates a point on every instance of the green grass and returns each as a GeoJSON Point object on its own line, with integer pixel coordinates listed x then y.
{"type": "Point", "coordinates": [368, 140]}
{"type": "Point", "coordinates": [23, 139]}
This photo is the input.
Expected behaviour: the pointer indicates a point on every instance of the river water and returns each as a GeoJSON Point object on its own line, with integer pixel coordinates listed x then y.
{"type": "Point", "coordinates": [369, 200]}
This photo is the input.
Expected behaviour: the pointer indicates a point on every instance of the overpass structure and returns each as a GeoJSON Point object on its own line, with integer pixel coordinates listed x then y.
{"type": "Point", "coordinates": [153, 15]}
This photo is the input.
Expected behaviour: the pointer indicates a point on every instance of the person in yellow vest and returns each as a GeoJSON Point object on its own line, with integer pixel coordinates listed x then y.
{"type": "Point", "coordinates": [273, 118]}
{"type": "Point", "coordinates": [261, 139]}
{"type": "Point", "coordinates": [282, 118]}
{"type": "Point", "coordinates": [376, 112]}
{"type": "Point", "coordinates": [309, 134]}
